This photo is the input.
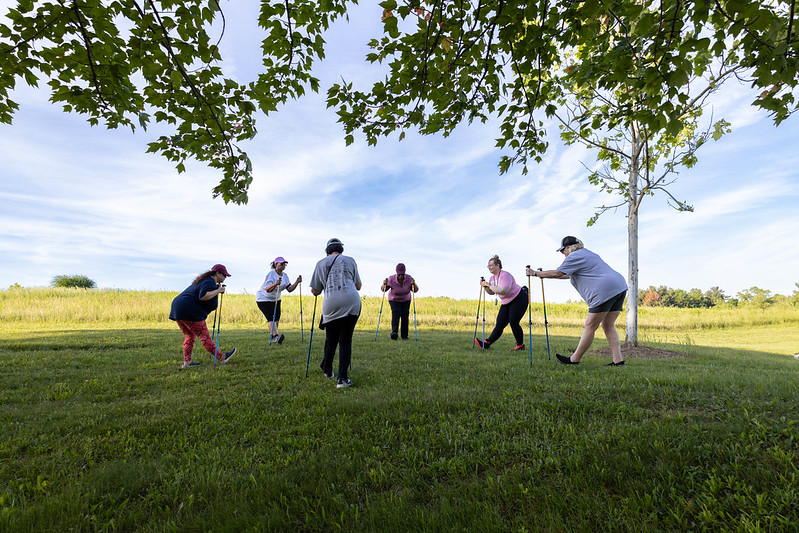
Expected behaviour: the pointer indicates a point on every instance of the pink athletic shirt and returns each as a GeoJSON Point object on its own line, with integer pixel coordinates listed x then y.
{"type": "Point", "coordinates": [505, 280]}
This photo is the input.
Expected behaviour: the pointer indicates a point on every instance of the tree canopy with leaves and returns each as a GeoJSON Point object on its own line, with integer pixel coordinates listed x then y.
{"type": "Point", "coordinates": [130, 63]}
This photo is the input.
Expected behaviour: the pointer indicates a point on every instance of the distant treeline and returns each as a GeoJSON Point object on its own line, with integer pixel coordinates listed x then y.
{"type": "Point", "coordinates": [667, 297]}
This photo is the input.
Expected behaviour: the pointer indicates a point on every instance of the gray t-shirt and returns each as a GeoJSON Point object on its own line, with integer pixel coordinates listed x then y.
{"type": "Point", "coordinates": [338, 283]}
{"type": "Point", "coordinates": [592, 277]}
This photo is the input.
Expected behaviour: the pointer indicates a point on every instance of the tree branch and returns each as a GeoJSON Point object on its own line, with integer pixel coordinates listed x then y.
{"type": "Point", "coordinates": [197, 94]}
{"type": "Point", "coordinates": [589, 141]}
{"type": "Point", "coordinates": [87, 41]}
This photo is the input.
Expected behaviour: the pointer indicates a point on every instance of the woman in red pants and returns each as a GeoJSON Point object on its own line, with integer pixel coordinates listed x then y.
{"type": "Point", "coordinates": [191, 307]}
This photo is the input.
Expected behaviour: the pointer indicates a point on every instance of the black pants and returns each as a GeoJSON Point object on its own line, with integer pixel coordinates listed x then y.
{"type": "Point", "coordinates": [511, 313]}
{"type": "Point", "coordinates": [399, 317]}
{"type": "Point", "coordinates": [268, 309]}
{"type": "Point", "coordinates": [338, 333]}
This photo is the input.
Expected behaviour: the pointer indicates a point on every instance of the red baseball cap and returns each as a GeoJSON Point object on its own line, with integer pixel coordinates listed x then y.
{"type": "Point", "coordinates": [221, 269]}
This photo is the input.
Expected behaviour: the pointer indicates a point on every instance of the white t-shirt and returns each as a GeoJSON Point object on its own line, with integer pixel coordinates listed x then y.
{"type": "Point", "coordinates": [262, 296]}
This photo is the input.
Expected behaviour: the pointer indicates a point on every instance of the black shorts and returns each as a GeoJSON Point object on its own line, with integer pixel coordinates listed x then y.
{"type": "Point", "coordinates": [268, 309]}
{"type": "Point", "coordinates": [614, 304]}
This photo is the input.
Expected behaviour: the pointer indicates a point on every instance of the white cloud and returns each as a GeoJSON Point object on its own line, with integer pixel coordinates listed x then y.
{"type": "Point", "coordinates": [83, 200]}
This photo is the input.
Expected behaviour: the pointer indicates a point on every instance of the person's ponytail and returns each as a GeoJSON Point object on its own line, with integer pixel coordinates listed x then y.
{"type": "Point", "coordinates": [202, 276]}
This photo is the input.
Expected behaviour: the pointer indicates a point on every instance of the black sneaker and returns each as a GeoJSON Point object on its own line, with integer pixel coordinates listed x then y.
{"type": "Point", "coordinates": [331, 375]}
{"type": "Point", "coordinates": [394, 336]}
{"type": "Point", "coordinates": [280, 338]}
{"type": "Point", "coordinates": [228, 355]}
{"type": "Point", "coordinates": [344, 383]}
{"type": "Point", "coordinates": [482, 344]}
{"type": "Point", "coordinates": [566, 360]}
{"type": "Point", "coordinates": [615, 364]}
{"type": "Point", "coordinates": [190, 364]}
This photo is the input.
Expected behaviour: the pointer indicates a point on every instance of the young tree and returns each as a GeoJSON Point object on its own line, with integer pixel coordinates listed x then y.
{"type": "Point", "coordinates": [650, 297]}
{"type": "Point", "coordinates": [716, 296]}
{"type": "Point", "coordinates": [629, 78]}
{"type": "Point", "coordinates": [756, 296]}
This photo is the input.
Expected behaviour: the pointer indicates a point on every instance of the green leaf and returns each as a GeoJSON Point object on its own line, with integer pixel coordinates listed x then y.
{"type": "Point", "coordinates": [176, 78]}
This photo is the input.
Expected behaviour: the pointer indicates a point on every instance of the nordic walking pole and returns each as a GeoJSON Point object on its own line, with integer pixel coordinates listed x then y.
{"type": "Point", "coordinates": [530, 316]}
{"type": "Point", "coordinates": [218, 329]}
{"type": "Point", "coordinates": [483, 347]}
{"type": "Point", "coordinates": [213, 331]}
{"type": "Point", "coordinates": [274, 313]}
{"type": "Point", "coordinates": [380, 313]}
{"type": "Point", "coordinates": [302, 330]}
{"type": "Point", "coordinates": [477, 318]}
{"type": "Point", "coordinates": [310, 342]}
{"type": "Point", "coordinates": [415, 329]}
{"type": "Point", "coordinates": [546, 324]}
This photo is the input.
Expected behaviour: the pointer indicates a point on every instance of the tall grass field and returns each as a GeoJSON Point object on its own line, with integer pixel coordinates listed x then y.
{"type": "Point", "coordinates": [101, 431]}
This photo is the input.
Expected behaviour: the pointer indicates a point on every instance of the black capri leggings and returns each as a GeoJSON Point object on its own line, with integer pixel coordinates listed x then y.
{"type": "Point", "coordinates": [268, 309]}
{"type": "Point", "coordinates": [511, 313]}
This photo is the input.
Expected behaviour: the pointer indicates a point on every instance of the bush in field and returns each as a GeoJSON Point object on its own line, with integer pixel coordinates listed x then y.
{"type": "Point", "coordinates": [80, 282]}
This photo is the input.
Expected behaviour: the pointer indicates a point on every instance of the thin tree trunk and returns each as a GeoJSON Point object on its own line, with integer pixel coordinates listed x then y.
{"type": "Point", "coordinates": [632, 241]}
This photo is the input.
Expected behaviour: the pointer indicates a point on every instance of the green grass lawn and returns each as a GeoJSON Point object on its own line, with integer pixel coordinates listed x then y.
{"type": "Point", "coordinates": [101, 431]}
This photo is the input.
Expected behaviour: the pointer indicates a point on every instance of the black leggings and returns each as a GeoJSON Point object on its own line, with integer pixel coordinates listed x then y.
{"type": "Point", "coordinates": [339, 333]}
{"type": "Point", "coordinates": [399, 315]}
{"type": "Point", "coordinates": [512, 314]}
{"type": "Point", "coordinates": [268, 309]}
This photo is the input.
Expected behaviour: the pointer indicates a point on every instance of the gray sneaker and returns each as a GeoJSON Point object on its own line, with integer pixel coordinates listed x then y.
{"type": "Point", "coordinates": [344, 383]}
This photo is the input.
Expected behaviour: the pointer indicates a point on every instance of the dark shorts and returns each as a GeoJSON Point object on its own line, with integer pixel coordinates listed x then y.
{"type": "Point", "coordinates": [614, 304]}
{"type": "Point", "coordinates": [268, 309]}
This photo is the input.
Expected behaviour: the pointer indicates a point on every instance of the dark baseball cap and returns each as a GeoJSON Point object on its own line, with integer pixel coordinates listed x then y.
{"type": "Point", "coordinates": [567, 241]}
{"type": "Point", "coordinates": [221, 269]}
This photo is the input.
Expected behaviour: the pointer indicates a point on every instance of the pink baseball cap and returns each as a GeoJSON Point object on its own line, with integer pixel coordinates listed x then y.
{"type": "Point", "coordinates": [221, 269]}
{"type": "Point", "coordinates": [279, 259]}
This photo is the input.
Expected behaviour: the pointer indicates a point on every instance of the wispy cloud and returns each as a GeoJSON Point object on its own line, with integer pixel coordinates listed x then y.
{"type": "Point", "coordinates": [83, 200]}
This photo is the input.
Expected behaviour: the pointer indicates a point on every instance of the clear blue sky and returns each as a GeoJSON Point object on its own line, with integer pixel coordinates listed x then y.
{"type": "Point", "coordinates": [83, 200]}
